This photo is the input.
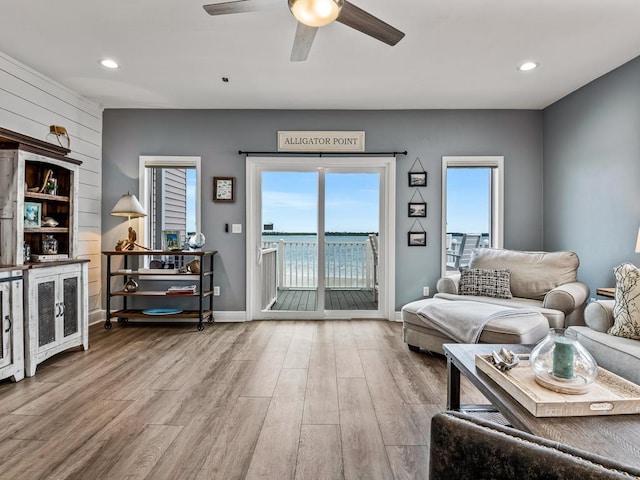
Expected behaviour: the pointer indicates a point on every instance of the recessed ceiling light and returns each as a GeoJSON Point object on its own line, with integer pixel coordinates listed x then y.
{"type": "Point", "coordinates": [526, 66]}
{"type": "Point", "coordinates": [108, 63]}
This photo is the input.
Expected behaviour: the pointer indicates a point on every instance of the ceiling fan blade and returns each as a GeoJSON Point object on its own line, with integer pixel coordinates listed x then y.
{"type": "Point", "coordinates": [302, 42]}
{"type": "Point", "coordinates": [240, 6]}
{"type": "Point", "coordinates": [364, 22]}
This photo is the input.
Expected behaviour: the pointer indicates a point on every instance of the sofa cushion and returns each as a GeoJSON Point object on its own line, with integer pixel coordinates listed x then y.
{"type": "Point", "coordinates": [618, 355]}
{"type": "Point", "coordinates": [555, 318]}
{"type": "Point", "coordinates": [507, 329]}
{"type": "Point", "coordinates": [626, 310]}
{"type": "Point", "coordinates": [533, 274]}
{"type": "Point", "coordinates": [485, 282]}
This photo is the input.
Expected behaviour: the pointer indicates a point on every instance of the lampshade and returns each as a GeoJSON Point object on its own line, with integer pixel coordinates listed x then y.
{"type": "Point", "coordinates": [316, 13]}
{"type": "Point", "coordinates": [128, 206]}
{"type": "Point", "coordinates": [638, 242]}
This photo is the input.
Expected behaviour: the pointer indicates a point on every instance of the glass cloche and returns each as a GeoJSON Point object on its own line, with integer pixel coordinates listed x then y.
{"type": "Point", "coordinates": [562, 364]}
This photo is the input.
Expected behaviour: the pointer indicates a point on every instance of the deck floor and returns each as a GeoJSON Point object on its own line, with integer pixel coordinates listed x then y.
{"type": "Point", "coordinates": [306, 300]}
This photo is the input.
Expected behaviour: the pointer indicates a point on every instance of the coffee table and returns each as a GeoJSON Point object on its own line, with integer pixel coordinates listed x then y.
{"type": "Point", "coordinates": [612, 436]}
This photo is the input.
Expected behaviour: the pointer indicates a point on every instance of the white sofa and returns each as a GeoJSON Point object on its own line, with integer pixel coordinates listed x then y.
{"type": "Point", "coordinates": [617, 354]}
{"type": "Point", "coordinates": [542, 281]}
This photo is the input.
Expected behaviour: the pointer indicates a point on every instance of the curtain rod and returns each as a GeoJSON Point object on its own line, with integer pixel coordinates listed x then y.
{"type": "Point", "coordinates": [321, 154]}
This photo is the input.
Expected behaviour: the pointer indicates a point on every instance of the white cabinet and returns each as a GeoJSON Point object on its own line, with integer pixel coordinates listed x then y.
{"type": "Point", "coordinates": [38, 201]}
{"type": "Point", "coordinates": [11, 343]}
{"type": "Point", "coordinates": [56, 311]}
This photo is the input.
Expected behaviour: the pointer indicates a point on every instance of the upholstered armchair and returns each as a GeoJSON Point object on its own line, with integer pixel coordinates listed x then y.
{"type": "Point", "coordinates": [542, 282]}
{"type": "Point", "coordinates": [464, 447]}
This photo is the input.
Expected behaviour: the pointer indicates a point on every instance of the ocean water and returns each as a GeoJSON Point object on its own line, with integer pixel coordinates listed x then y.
{"type": "Point", "coordinates": [346, 262]}
{"type": "Point", "coordinates": [313, 238]}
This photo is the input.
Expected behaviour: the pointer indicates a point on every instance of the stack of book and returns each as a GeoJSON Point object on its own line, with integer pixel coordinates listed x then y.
{"type": "Point", "coordinates": [49, 258]}
{"type": "Point", "coordinates": [182, 290]}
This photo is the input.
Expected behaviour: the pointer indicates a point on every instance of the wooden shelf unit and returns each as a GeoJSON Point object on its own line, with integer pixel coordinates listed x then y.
{"type": "Point", "coordinates": [203, 291]}
{"type": "Point", "coordinates": [58, 206]}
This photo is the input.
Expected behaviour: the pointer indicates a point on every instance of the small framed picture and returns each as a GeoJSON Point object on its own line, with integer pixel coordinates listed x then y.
{"type": "Point", "coordinates": [171, 240]}
{"type": "Point", "coordinates": [417, 179]}
{"type": "Point", "coordinates": [417, 239]}
{"type": "Point", "coordinates": [224, 189]}
{"type": "Point", "coordinates": [417, 209]}
{"type": "Point", "coordinates": [32, 215]}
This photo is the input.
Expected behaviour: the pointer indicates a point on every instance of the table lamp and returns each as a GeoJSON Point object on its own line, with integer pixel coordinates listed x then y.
{"type": "Point", "coordinates": [128, 206]}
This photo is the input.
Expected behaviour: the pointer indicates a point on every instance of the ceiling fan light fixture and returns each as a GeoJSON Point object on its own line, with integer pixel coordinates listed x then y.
{"type": "Point", "coordinates": [528, 66]}
{"type": "Point", "coordinates": [109, 63]}
{"type": "Point", "coordinates": [315, 13]}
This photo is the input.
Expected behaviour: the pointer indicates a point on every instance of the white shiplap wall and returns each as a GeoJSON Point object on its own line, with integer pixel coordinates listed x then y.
{"type": "Point", "coordinates": [29, 103]}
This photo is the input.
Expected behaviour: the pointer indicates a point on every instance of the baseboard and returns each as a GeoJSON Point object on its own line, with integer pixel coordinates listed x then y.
{"type": "Point", "coordinates": [229, 317]}
{"type": "Point", "coordinates": [98, 316]}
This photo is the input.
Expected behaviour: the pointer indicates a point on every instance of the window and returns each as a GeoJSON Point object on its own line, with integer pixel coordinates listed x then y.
{"type": "Point", "coordinates": [472, 208]}
{"type": "Point", "coordinates": [170, 193]}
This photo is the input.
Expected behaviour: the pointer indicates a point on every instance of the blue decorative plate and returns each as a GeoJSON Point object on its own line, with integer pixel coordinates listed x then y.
{"type": "Point", "coordinates": [162, 311]}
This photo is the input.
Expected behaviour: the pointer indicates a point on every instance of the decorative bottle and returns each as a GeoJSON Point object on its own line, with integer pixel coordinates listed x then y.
{"type": "Point", "coordinates": [49, 245]}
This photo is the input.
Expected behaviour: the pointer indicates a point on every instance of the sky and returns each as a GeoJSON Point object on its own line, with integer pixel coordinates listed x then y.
{"type": "Point", "coordinates": [289, 201]}
{"type": "Point", "coordinates": [191, 199]}
{"type": "Point", "coordinates": [468, 200]}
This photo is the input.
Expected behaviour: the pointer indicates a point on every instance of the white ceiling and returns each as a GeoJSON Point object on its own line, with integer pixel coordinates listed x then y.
{"type": "Point", "coordinates": [456, 53]}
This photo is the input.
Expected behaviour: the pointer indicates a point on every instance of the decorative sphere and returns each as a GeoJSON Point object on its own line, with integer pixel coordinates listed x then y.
{"type": "Point", "coordinates": [196, 240]}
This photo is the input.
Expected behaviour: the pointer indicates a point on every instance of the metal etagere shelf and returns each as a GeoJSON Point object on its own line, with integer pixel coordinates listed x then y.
{"type": "Point", "coordinates": [203, 279]}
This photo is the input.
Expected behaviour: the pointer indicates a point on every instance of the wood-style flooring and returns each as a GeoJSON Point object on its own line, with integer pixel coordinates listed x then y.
{"type": "Point", "coordinates": [258, 400]}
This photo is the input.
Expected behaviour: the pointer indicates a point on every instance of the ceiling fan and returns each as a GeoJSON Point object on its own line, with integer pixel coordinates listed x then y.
{"type": "Point", "coordinates": [312, 14]}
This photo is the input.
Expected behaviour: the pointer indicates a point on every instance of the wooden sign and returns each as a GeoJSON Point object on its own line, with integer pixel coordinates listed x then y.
{"type": "Point", "coordinates": [307, 141]}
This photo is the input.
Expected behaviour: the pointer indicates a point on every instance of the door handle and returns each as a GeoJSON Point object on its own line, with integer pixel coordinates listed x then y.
{"type": "Point", "coordinates": [8, 318]}
{"type": "Point", "coordinates": [58, 313]}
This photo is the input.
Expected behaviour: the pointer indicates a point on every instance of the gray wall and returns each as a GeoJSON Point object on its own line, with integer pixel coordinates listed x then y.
{"type": "Point", "coordinates": [217, 135]}
{"type": "Point", "coordinates": [592, 174]}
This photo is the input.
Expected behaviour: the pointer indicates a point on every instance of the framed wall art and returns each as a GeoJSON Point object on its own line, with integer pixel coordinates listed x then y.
{"type": "Point", "coordinates": [417, 209]}
{"type": "Point", "coordinates": [417, 239]}
{"type": "Point", "coordinates": [417, 174]}
{"type": "Point", "coordinates": [417, 179]}
{"type": "Point", "coordinates": [32, 215]}
{"type": "Point", "coordinates": [224, 189]}
{"type": "Point", "coordinates": [417, 235]}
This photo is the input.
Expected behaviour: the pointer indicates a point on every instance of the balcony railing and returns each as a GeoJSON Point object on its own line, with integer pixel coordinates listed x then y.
{"type": "Point", "coordinates": [347, 264]}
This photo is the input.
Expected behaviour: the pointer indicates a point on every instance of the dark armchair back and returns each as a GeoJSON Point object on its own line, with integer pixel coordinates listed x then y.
{"type": "Point", "coordinates": [467, 448]}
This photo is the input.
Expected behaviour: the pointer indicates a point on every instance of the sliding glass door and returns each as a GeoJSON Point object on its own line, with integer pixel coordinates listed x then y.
{"type": "Point", "coordinates": [351, 240]}
{"type": "Point", "coordinates": [319, 236]}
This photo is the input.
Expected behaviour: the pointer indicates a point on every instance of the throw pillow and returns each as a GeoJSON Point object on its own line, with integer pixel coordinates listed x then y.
{"type": "Point", "coordinates": [626, 309]}
{"type": "Point", "coordinates": [485, 282]}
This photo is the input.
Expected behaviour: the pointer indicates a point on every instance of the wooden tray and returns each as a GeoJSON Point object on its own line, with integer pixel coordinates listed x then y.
{"type": "Point", "coordinates": [608, 395]}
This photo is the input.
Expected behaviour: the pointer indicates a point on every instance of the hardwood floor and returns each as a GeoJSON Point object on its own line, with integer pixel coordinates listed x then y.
{"type": "Point", "coordinates": [258, 400]}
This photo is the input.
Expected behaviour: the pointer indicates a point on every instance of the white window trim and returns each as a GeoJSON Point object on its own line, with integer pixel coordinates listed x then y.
{"type": "Point", "coordinates": [497, 197]}
{"type": "Point", "coordinates": [149, 161]}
